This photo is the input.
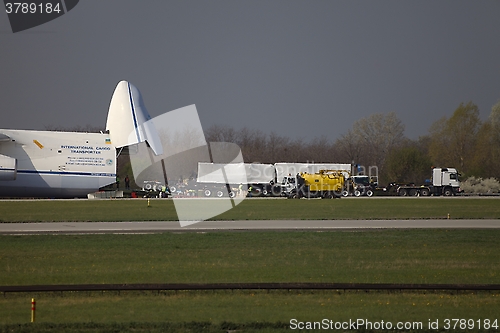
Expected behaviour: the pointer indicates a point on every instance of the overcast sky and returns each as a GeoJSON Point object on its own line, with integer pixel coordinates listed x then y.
{"type": "Point", "coordinates": [303, 69]}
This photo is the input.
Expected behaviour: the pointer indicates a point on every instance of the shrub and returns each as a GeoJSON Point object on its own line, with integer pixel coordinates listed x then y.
{"type": "Point", "coordinates": [480, 186]}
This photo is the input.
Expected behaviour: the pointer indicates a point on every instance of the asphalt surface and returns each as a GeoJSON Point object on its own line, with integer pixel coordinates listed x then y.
{"type": "Point", "coordinates": [256, 225]}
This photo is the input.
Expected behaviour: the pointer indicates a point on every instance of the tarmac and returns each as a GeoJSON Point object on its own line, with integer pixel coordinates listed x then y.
{"type": "Point", "coordinates": [246, 225]}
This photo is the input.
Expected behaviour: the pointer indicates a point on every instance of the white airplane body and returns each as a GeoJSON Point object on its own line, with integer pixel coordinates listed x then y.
{"type": "Point", "coordinates": [70, 164]}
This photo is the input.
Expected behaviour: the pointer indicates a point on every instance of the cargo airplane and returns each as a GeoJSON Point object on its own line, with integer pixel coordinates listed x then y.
{"type": "Point", "coordinates": [51, 164]}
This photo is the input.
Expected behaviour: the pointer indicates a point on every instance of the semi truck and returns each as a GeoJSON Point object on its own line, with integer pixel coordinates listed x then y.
{"type": "Point", "coordinates": [314, 180]}
{"type": "Point", "coordinates": [270, 180]}
{"type": "Point", "coordinates": [444, 182]}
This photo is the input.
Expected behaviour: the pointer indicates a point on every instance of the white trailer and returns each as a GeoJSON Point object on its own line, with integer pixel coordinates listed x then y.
{"type": "Point", "coordinates": [261, 179]}
{"type": "Point", "coordinates": [235, 173]}
{"type": "Point", "coordinates": [234, 177]}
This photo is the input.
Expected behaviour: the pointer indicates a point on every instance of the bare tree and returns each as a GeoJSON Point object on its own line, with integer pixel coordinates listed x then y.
{"type": "Point", "coordinates": [380, 133]}
{"type": "Point", "coordinates": [350, 147]}
{"type": "Point", "coordinates": [252, 144]}
{"type": "Point", "coordinates": [367, 143]}
{"type": "Point", "coordinates": [372, 138]}
{"type": "Point", "coordinates": [220, 133]}
{"type": "Point", "coordinates": [276, 146]}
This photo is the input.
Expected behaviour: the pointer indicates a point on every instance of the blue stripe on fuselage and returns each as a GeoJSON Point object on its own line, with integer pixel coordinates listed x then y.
{"type": "Point", "coordinates": [67, 173]}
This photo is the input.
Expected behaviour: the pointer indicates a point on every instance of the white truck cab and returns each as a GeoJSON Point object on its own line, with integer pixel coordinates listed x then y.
{"type": "Point", "coordinates": [447, 180]}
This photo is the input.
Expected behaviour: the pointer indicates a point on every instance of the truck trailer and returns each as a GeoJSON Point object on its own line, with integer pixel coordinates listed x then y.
{"type": "Point", "coordinates": [444, 182]}
{"type": "Point", "coordinates": [269, 180]}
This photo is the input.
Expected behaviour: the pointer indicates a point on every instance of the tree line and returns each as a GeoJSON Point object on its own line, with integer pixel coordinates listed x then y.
{"type": "Point", "coordinates": [461, 141]}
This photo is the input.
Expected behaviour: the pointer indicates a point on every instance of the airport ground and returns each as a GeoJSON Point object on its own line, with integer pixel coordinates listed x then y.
{"type": "Point", "coordinates": [443, 255]}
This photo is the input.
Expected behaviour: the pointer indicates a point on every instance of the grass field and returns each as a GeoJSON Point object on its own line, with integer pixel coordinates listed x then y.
{"type": "Point", "coordinates": [249, 306]}
{"type": "Point", "coordinates": [394, 256]}
{"type": "Point", "coordinates": [253, 209]}
{"type": "Point", "coordinates": [399, 256]}
{"type": "Point", "coordinates": [390, 256]}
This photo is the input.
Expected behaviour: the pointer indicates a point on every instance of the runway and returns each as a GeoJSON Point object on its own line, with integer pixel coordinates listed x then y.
{"type": "Point", "coordinates": [248, 225]}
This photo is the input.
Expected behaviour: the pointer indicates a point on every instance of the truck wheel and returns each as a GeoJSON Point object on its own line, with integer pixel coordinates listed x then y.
{"type": "Point", "coordinates": [207, 193]}
{"type": "Point", "coordinates": [232, 194]}
{"type": "Point", "coordinates": [402, 192]}
{"type": "Point", "coordinates": [264, 192]}
{"type": "Point", "coordinates": [413, 192]}
{"type": "Point", "coordinates": [357, 193]}
{"type": "Point", "coordinates": [313, 194]}
{"type": "Point", "coordinates": [173, 189]}
{"type": "Point", "coordinates": [448, 192]}
{"type": "Point", "coordinates": [424, 192]}
{"type": "Point", "coordinates": [220, 194]}
{"type": "Point", "coordinates": [369, 193]}
{"type": "Point", "coordinates": [345, 193]}
{"type": "Point", "coordinates": [276, 191]}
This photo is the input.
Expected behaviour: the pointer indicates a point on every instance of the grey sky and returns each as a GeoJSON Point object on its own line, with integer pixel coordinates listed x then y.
{"type": "Point", "coordinates": [300, 68]}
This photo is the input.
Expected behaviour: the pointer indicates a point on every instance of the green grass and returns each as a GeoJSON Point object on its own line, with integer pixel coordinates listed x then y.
{"type": "Point", "coordinates": [163, 210]}
{"type": "Point", "coordinates": [364, 208]}
{"type": "Point", "coordinates": [393, 256]}
{"type": "Point", "coordinates": [248, 306]}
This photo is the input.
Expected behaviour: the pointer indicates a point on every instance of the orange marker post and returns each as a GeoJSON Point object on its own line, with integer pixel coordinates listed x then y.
{"type": "Point", "coordinates": [33, 308]}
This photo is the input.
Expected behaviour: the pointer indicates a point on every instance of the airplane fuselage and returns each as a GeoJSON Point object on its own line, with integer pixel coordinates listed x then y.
{"type": "Point", "coordinates": [55, 164]}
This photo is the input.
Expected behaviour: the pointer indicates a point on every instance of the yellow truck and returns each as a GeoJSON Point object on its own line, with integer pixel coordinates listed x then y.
{"type": "Point", "coordinates": [326, 184]}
